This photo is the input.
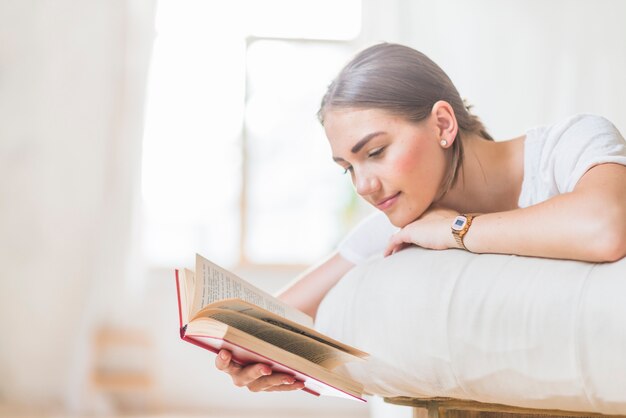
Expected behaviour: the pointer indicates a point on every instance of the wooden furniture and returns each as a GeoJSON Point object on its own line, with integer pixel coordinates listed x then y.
{"type": "Point", "coordinates": [123, 369]}
{"type": "Point", "coordinates": [458, 408]}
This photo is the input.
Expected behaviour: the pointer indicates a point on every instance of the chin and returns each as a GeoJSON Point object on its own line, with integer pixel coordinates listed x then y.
{"type": "Point", "coordinates": [400, 220]}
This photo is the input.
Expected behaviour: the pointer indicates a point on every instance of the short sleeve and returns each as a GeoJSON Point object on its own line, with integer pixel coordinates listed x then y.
{"type": "Point", "coordinates": [559, 155]}
{"type": "Point", "coordinates": [369, 238]}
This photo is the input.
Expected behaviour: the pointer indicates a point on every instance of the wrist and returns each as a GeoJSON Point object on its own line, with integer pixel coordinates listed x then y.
{"type": "Point", "coordinates": [460, 227]}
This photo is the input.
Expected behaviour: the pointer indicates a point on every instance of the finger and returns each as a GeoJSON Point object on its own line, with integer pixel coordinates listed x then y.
{"type": "Point", "coordinates": [251, 374]}
{"type": "Point", "coordinates": [266, 383]}
{"type": "Point", "coordinates": [392, 249]}
{"type": "Point", "coordinates": [298, 385]}
{"type": "Point", "coordinates": [394, 244]}
{"type": "Point", "coordinates": [404, 245]}
{"type": "Point", "coordinates": [223, 362]}
{"type": "Point", "coordinates": [240, 375]}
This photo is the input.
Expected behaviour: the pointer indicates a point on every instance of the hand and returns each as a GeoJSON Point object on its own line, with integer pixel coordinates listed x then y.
{"type": "Point", "coordinates": [431, 230]}
{"type": "Point", "coordinates": [256, 377]}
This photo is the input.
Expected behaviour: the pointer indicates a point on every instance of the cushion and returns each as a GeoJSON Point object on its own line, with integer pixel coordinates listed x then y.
{"type": "Point", "coordinates": [522, 331]}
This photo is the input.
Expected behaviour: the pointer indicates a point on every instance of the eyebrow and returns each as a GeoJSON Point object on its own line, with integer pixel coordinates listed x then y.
{"type": "Point", "coordinates": [359, 145]}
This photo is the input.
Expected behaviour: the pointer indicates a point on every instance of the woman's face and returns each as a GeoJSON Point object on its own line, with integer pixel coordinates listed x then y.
{"type": "Point", "coordinates": [396, 165]}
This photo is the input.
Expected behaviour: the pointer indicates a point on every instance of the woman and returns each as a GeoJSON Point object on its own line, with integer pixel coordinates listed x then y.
{"type": "Point", "coordinates": [399, 128]}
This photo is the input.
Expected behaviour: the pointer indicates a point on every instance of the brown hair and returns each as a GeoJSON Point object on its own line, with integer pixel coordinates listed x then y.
{"type": "Point", "coordinates": [406, 83]}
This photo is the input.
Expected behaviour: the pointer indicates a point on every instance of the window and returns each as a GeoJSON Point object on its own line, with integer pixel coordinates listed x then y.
{"type": "Point", "coordinates": [235, 164]}
{"type": "Point", "coordinates": [295, 192]}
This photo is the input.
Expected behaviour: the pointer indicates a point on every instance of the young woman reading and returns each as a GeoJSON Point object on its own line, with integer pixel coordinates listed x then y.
{"type": "Point", "coordinates": [399, 128]}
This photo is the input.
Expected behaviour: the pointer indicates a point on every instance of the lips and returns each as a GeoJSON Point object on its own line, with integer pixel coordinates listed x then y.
{"type": "Point", "coordinates": [387, 202]}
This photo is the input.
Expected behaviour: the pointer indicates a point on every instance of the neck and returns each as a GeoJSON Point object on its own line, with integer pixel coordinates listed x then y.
{"type": "Point", "coordinates": [490, 178]}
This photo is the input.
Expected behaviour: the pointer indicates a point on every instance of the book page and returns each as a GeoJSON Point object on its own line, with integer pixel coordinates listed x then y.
{"type": "Point", "coordinates": [189, 286]}
{"type": "Point", "coordinates": [314, 351]}
{"type": "Point", "coordinates": [256, 312]}
{"type": "Point", "coordinates": [186, 288]}
{"type": "Point", "coordinates": [213, 283]}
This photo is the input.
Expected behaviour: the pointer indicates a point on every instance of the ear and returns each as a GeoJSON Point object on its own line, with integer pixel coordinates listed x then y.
{"type": "Point", "coordinates": [445, 122]}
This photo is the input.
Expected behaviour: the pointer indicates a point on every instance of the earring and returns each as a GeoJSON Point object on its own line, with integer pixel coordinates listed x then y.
{"type": "Point", "coordinates": [443, 142]}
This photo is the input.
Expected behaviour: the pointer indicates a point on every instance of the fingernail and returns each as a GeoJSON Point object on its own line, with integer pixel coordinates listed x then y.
{"type": "Point", "coordinates": [288, 380]}
{"type": "Point", "coordinates": [223, 355]}
{"type": "Point", "coordinates": [266, 372]}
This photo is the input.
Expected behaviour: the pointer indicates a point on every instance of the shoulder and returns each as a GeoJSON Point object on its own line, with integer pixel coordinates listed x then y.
{"type": "Point", "coordinates": [557, 155]}
{"type": "Point", "coordinates": [584, 119]}
{"type": "Point", "coordinates": [583, 126]}
{"type": "Point", "coordinates": [575, 126]}
{"type": "Point", "coordinates": [573, 134]}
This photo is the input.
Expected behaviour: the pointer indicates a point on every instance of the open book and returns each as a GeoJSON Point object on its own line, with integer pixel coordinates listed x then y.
{"type": "Point", "coordinates": [219, 310]}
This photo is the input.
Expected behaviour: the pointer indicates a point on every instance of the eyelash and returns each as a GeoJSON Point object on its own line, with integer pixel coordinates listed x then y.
{"type": "Point", "coordinates": [374, 153]}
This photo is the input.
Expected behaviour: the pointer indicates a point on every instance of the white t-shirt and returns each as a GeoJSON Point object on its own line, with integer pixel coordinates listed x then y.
{"type": "Point", "coordinates": [555, 158]}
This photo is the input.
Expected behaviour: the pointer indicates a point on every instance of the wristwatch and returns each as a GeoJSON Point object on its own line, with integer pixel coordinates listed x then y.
{"type": "Point", "coordinates": [460, 226]}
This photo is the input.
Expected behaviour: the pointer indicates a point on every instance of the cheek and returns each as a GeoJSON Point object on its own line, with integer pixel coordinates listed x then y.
{"type": "Point", "coordinates": [419, 173]}
{"type": "Point", "coordinates": [418, 163]}
{"type": "Point", "coordinates": [406, 163]}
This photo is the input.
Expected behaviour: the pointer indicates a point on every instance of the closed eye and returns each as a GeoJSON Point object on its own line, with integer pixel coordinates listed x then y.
{"type": "Point", "coordinates": [347, 169]}
{"type": "Point", "coordinates": [376, 152]}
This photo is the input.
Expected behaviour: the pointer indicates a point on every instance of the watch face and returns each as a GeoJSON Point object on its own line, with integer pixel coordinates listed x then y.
{"type": "Point", "coordinates": [459, 223]}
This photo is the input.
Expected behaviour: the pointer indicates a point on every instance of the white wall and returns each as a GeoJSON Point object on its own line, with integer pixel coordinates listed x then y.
{"type": "Point", "coordinates": [523, 63]}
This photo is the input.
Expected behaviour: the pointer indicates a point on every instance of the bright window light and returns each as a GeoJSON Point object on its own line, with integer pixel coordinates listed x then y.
{"type": "Point", "coordinates": [319, 19]}
{"type": "Point", "coordinates": [192, 172]}
{"type": "Point", "coordinates": [297, 194]}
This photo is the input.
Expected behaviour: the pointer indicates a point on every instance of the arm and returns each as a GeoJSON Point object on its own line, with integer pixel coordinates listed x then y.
{"type": "Point", "coordinates": [587, 224]}
{"type": "Point", "coordinates": [369, 237]}
{"type": "Point", "coordinates": [307, 291]}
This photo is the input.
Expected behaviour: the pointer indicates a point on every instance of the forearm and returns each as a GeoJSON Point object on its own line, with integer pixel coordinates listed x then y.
{"type": "Point", "coordinates": [568, 226]}
{"type": "Point", "coordinates": [307, 291]}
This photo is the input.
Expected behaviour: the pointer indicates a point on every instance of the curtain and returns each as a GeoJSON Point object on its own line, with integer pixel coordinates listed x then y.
{"type": "Point", "coordinates": [72, 81]}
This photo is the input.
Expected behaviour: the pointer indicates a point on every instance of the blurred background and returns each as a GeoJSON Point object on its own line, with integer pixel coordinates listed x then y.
{"type": "Point", "coordinates": [135, 133]}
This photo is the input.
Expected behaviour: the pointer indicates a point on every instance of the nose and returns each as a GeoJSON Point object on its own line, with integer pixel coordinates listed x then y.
{"type": "Point", "coordinates": [365, 183]}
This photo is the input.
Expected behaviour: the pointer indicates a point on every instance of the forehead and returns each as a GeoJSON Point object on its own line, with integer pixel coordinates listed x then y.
{"type": "Point", "coordinates": [347, 117]}
{"type": "Point", "coordinates": [350, 124]}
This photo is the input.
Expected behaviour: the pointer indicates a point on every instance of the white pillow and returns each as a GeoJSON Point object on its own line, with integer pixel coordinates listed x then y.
{"type": "Point", "coordinates": [522, 331]}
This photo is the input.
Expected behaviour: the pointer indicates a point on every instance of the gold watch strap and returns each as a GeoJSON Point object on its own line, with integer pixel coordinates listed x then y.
{"type": "Point", "coordinates": [459, 235]}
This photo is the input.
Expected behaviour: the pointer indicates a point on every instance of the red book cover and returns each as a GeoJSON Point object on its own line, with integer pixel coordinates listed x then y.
{"type": "Point", "coordinates": [245, 356]}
